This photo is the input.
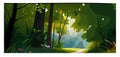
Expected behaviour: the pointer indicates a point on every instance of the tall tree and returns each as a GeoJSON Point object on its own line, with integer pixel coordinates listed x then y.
{"type": "Point", "coordinates": [53, 33]}
{"type": "Point", "coordinates": [10, 27]}
{"type": "Point", "coordinates": [39, 26]}
{"type": "Point", "coordinates": [59, 37]}
{"type": "Point", "coordinates": [61, 31]}
{"type": "Point", "coordinates": [50, 25]}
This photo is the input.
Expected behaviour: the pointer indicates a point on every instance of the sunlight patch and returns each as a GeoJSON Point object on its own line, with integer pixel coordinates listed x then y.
{"type": "Point", "coordinates": [46, 10]}
{"type": "Point", "coordinates": [70, 22]}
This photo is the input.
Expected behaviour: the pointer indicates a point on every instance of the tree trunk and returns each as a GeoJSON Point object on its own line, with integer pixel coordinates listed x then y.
{"type": "Point", "coordinates": [58, 45]}
{"type": "Point", "coordinates": [42, 26]}
{"type": "Point", "coordinates": [38, 26]}
{"type": "Point", "coordinates": [50, 25]}
{"type": "Point", "coordinates": [60, 34]}
{"type": "Point", "coordinates": [10, 27]}
{"type": "Point", "coordinates": [53, 35]}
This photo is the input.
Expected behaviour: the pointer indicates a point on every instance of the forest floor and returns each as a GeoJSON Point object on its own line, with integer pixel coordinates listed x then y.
{"type": "Point", "coordinates": [57, 50]}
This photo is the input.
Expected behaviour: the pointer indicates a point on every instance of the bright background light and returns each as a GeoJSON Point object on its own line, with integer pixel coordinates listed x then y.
{"type": "Point", "coordinates": [2, 54]}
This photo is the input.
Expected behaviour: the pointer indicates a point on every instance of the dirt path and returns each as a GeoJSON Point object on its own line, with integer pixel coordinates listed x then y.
{"type": "Point", "coordinates": [80, 51]}
{"type": "Point", "coordinates": [74, 50]}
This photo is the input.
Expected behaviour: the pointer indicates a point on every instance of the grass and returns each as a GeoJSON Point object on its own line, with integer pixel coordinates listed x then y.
{"type": "Point", "coordinates": [54, 50]}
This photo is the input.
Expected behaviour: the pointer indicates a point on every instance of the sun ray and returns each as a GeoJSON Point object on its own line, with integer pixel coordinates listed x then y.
{"type": "Point", "coordinates": [69, 25]}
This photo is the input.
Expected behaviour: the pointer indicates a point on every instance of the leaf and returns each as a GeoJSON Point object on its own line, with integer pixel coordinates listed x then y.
{"type": "Point", "coordinates": [25, 41]}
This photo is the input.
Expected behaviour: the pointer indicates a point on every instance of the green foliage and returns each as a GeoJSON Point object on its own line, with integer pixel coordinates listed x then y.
{"type": "Point", "coordinates": [84, 19]}
{"type": "Point", "coordinates": [98, 20]}
{"type": "Point", "coordinates": [7, 12]}
{"type": "Point", "coordinates": [101, 48]}
{"type": "Point", "coordinates": [20, 43]}
{"type": "Point", "coordinates": [56, 44]}
{"type": "Point", "coordinates": [40, 7]}
{"type": "Point", "coordinates": [35, 30]}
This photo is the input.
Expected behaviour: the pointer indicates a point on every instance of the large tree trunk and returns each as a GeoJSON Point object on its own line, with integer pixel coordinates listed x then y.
{"type": "Point", "coordinates": [50, 25]}
{"type": "Point", "coordinates": [10, 27]}
{"type": "Point", "coordinates": [39, 28]}
{"type": "Point", "coordinates": [42, 27]}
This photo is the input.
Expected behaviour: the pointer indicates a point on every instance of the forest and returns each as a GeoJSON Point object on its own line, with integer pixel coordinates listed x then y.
{"type": "Point", "coordinates": [59, 27]}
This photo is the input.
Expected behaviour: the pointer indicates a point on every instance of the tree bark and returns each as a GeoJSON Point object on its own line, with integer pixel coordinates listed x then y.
{"type": "Point", "coordinates": [38, 25]}
{"type": "Point", "coordinates": [50, 25]}
{"type": "Point", "coordinates": [10, 27]}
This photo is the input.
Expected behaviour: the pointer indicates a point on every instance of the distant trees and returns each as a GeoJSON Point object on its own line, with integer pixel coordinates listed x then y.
{"type": "Point", "coordinates": [61, 29]}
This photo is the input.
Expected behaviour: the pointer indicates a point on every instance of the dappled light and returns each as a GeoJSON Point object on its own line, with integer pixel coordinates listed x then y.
{"type": "Point", "coordinates": [46, 10]}
{"type": "Point", "coordinates": [59, 28]}
{"type": "Point", "coordinates": [102, 19]}
{"type": "Point", "coordinates": [83, 4]}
